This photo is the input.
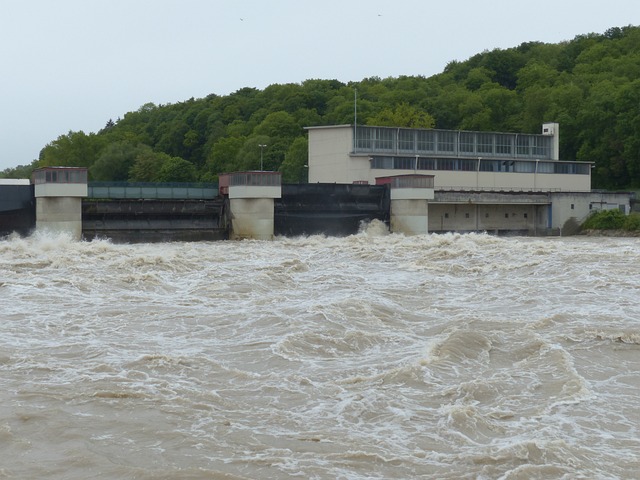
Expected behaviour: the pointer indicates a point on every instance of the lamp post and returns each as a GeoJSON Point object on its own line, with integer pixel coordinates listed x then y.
{"type": "Point", "coordinates": [261, 145]}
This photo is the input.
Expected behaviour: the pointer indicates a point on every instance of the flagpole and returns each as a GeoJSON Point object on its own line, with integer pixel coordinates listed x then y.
{"type": "Point", "coordinates": [355, 120]}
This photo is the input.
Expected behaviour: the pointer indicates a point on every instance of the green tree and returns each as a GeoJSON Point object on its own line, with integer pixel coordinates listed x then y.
{"type": "Point", "coordinates": [116, 160]}
{"type": "Point", "coordinates": [147, 166]}
{"type": "Point", "coordinates": [250, 154]}
{"type": "Point", "coordinates": [402, 115]}
{"type": "Point", "coordinates": [223, 157]}
{"type": "Point", "coordinates": [176, 169]}
{"type": "Point", "coordinates": [20, 172]}
{"type": "Point", "coordinates": [75, 149]}
{"type": "Point", "coordinates": [279, 124]}
{"type": "Point", "coordinates": [294, 168]}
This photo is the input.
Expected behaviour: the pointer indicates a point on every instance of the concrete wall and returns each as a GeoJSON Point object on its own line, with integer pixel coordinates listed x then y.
{"type": "Point", "coordinates": [59, 207]}
{"type": "Point", "coordinates": [497, 180]}
{"type": "Point", "coordinates": [409, 216]}
{"type": "Point", "coordinates": [525, 219]}
{"type": "Point", "coordinates": [251, 218]}
{"type": "Point", "coordinates": [61, 190]}
{"type": "Point", "coordinates": [553, 129]}
{"type": "Point", "coordinates": [329, 148]}
{"type": "Point", "coordinates": [252, 191]}
{"type": "Point", "coordinates": [571, 208]}
{"type": "Point", "coordinates": [59, 214]}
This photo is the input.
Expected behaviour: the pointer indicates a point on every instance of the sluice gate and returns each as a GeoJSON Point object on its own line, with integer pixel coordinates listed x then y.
{"type": "Point", "coordinates": [154, 220]}
{"type": "Point", "coordinates": [329, 209]}
{"type": "Point", "coordinates": [17, 209]}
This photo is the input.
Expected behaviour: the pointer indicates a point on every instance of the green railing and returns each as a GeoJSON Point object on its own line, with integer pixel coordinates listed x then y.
{"type": "Point", "coordinates": [151, 191]}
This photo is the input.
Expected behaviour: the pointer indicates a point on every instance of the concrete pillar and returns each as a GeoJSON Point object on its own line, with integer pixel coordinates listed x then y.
{"type": "Point", "coordinates": [409, 203]}
{"type": "Point", "coordinates": [251, 201]}
{"type": "Point", "coordinates": [59, 192]}
{"type": "Point", "coordinates": [553, 130]}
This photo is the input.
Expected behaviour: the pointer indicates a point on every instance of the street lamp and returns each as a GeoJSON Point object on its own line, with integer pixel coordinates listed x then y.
{"type": "Point", "coordinates": [261, 145]}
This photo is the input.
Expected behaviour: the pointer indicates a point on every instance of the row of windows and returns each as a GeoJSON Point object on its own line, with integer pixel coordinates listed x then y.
{"type": "Point", "coordinates": [452, 142]}
{"type": "Point", "coordinates": [255, 179]}
{"type": "Point", "coordinates": [482, 165]}
{"type": "Point", "coordinates": [60, 175]}
{"type": "Point", "coordinates": [486, 215]}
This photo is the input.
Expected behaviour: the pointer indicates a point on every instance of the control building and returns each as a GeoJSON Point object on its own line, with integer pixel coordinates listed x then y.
{"type": "Point", "coordinates": [483, 181]}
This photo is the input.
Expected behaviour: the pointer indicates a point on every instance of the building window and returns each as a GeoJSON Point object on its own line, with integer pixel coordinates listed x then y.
{"type": "Point", "coordinates": [382, 162]}
{"type": "Point", "coordinates": [523, 147]}
{"type": "Point", "coordinates": [425, 139]}
{"type": "Point", "coordinates": [404, 163]}
{"type": "Point", "coordinates": [383, 139]}
{"type": "Point", "coordinates": [506, 215]}
{"type": "Point", "coordinates": [364, 138]}
{"type": "Point", "coordinates": [466, 215]}
{"type": "Point", "coordinates": [541, 147]}
{"type": "Point", "coordinates": [486, 215]}
{"type": "Point", "coordinates": [447, 164]}
{"type": "Point", "coordinates": [525, 167]}
{"type": "Point", "coordinates": [485, 142]}
{"type": "Point", "coordinates": [446, 141]}
{"type": "Point", "coordinates": [504, 144]}
{"type": "Point", "coordinates": [526, 215]}
{"type": "Point", "coordinates": [467, 142]}
{"type": "Point", "coordinates": [467, 165]}
{"type": "Point", "coordinates": [406, 140]}
{"type": "Point", "coordinates": [489, 165]}
{"type": "Point", "coordinates": [426, 164]}
{"type": "Point", "coordinates": [446, 215]}
{"type": "Point", "coordinates": [573, 206]}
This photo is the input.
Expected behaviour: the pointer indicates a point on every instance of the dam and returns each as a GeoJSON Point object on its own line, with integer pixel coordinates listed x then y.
{"type": "Point", "coordinates": [416, 181]}
{"type": "Point", "coordinates": [164, 212]}
{"type": "Point", "coordinates": [256, 205]}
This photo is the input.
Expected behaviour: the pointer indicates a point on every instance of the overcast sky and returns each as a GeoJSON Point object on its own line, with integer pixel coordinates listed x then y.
{"type": "Point", "coordinates": [75, 64]}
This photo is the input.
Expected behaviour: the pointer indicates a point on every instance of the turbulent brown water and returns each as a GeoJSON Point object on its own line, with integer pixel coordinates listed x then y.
{"type": "Point", "coordinates": [371, 356]}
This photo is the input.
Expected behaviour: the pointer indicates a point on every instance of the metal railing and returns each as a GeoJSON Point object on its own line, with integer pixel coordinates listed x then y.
{"type": "Point", "coordinates": [255, 179]}
{"type": "Point", "coordinates": [144, 190]}
{"type": "Point", "coordinates": [412, 181]}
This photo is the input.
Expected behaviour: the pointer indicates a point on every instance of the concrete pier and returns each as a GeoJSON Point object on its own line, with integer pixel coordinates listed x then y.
{"type": "Point", "coordinates": [251, 203]}
{"type": "Point", "coordinates": [409, 203]}
{"type": "Point", "coordinates": [59, 192]}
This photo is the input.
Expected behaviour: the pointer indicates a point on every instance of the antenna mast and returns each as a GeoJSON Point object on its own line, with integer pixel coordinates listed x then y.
{"type": "Point", "coordinates": [355, 119]}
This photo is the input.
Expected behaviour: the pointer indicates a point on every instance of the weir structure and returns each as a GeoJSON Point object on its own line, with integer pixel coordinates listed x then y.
{"type": "Point", "coordinates": [59, 192]}
{"type": "Point", "coordinates": [410, 195]}
{"type": "Point", "coordinates": [251, 203]}
{"type": "Point", "coordinates": [154, 212]}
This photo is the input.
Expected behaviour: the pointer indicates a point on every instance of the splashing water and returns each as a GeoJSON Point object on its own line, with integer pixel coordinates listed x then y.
{"type": "Point", "coordinates": [370, 356]}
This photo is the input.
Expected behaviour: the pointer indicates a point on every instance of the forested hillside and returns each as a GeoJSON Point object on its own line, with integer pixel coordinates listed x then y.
{"type": "Point", "coordinates": [590, 85]}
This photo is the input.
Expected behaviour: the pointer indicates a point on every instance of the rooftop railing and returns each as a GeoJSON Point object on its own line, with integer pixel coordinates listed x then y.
{"type": "Point", "coordinates": [59, 175]}
{"type": "Point", "coordinates": [412, 181]}
{"type": "Point", "coordinates": [255, 179]}
{"type": "Point", "coordinates": [454, 143]}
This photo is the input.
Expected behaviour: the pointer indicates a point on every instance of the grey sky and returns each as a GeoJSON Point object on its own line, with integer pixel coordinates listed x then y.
{"type": "Point", "coordinates": [74, 64]}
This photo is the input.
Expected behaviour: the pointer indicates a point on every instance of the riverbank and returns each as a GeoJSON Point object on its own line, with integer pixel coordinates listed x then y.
{"type": "Point", "coordinates": [611, 233]}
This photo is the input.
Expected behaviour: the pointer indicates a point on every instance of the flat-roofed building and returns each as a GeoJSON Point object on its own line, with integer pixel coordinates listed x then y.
{"type": "Point", "coordinates": [483, 181]}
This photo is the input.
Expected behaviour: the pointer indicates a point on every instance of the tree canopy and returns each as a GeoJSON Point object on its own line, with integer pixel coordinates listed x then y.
{"type": "Point", "coordinates": [590, 85]}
